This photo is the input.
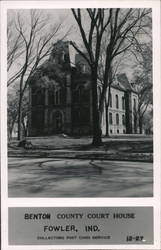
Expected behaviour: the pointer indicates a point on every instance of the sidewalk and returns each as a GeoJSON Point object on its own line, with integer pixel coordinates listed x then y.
{"type": "Point", "coordinates": [125, 148]}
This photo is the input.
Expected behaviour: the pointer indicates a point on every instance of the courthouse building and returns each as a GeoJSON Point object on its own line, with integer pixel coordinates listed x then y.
{"type": "Point", "coordinates": [61, 98]}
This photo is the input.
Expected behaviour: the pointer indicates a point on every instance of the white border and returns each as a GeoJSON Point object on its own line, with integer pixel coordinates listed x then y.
{"type": "Point", "coordinates": [53, 202]}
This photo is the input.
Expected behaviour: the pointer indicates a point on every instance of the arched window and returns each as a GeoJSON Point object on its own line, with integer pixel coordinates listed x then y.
{"type": "Point", "coordinates": [110, 118]}
{"type": "Point", "coordinates": [51, 97]}
{"type": "Point", "coordinates": [39, 97]}
{"type": "Point", "coordinates": [134, 105]}
{"type": "Point", "coordinates": [110, 101]}
{"type": "Point", "coordinates": [117, 102]}
{"type": "Point", "coordinates": [117, 119]}
{"type": "Point", "coordinates": [123, 119]}
{"type": "Point", "coordinates": [123, 103]}
{"type": "Point", "coordinates": [77, 95]}
{"type": "Point", "coordinates": [58, 96]}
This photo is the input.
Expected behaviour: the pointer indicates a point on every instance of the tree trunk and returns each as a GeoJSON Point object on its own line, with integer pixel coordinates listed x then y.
{"type": "Point", "coordinates": [9, 134]}
{"type": "Point", "coordinates": [97, 132]}
{"type": "Point", "coordinates": [21, 93]}
{"type": "Point", "coordinates": [11, 129]}
{"type": "Point", "coordinates": [107, 107]}
{"type": "Point", "coordinates": [106, 83]}
{"type": "Point", "coordinates": [140, 125]}
{"type": "Point", "coordinates": [20, 118]}
{"type": "Point", "coordinates": [107, 124]}
{"type": "Point", "coordinates": [24, 128]}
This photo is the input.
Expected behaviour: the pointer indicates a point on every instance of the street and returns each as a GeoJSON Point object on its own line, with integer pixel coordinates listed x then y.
{"type": "Point", "coordinates": [47, 177]}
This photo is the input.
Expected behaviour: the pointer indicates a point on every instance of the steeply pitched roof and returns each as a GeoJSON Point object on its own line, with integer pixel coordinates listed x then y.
{"type": "Point", "coordinates": [117, 85]}
{"type": "Point", "coordinates": [122, 83]}
{"type": "Point", "coordinates": [123, 80]}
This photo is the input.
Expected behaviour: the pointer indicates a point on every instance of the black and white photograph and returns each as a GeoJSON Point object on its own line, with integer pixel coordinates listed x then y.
{"type": "Point", "coordinates": [80, 102]}
{"type": "Point", "coordinates": [80, 124]}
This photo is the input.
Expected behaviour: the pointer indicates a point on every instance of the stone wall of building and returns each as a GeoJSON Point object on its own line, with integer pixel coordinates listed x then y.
{"type": "Point", "coordinates": [64, 104]}
{"type": "Point", "coordinates": [116, 112]}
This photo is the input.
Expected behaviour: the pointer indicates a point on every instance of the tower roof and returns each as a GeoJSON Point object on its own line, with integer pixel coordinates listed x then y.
{"type": "Point", "coordinates": [123, 80]}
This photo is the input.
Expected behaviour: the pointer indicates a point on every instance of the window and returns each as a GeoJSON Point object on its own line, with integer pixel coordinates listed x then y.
{"type": "Point", "coordinates": [66, 58]}
{"type": "Point", "coordinates": [110, 131]}
{"type": "Point", "coordinates": [134, 105]}
{"type": "Point", "coordinates": [123, 103]}
{"type": "Point", "coordinates": [110, 118]}
{"type": "Point", "coordinates": [38, 97]}
{"type": "Point", "coordinates": [63, 57]}
{"type": "Point", "coordinates": [117, 131]}
{"type": "Point", "coordinates": [79, 94]}
{"type": "Point", "coordinates": [110, 101]}
{"type": "Point", "coordinates": [58, 96]}
{"type": "Point", "coordinates": [51, 97]}
{"type": "Point", "coordinates": [123, 119]}
{"type": "Point", "coordinates": [117, 102]}
{"type": "Point", "coordinates": [38, 119]}
{"type": "Point", "coordinates": [83, 68]}
{"type": "Point", "coordinates": [86, 96]}
{"type": "Point", "coordinates": [117, 119]}
{"type": "Point", "coordinates": [124, 131]}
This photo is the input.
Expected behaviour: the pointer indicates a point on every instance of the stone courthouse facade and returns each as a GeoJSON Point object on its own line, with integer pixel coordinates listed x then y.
{"type": "Point", "coordinates": [60, 98]}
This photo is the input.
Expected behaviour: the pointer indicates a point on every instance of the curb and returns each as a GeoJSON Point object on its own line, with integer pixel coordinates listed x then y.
{"type": "Point", "coordinates": [86, 156]}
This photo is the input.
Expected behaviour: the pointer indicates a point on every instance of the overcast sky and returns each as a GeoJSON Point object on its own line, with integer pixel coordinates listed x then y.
{"type": "Point", "coordinates": [65, 15]}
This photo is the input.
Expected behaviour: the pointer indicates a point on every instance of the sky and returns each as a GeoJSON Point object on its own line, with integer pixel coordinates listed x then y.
{"type": "Point", "coordinates": [53, 16]}
{"type": "Point", "coordinates": [65, 16]}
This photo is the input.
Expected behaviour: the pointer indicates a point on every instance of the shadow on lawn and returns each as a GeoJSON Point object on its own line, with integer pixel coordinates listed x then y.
{"type": "Point", "coordinates": [121, 146]}
{"type": "Point", "coordinates": [125, 146]}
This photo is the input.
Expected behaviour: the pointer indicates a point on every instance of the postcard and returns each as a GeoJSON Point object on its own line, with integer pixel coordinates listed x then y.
{"type": "Point", "coordinates": [80, 124]}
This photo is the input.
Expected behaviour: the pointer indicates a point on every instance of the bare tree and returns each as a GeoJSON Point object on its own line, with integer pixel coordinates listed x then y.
{"type": "Point", "coordinates": [37, 40]}
{"type": "Point", "coordinates": [143, 80]}
{"type": "Point", "coordinates": [12, 110]}
{"type": "Point", "coordinates": [120, 26]}
{"type": "Point", "coordinates": [14, 45]}
{"type": "Point", "coordinates": [114, 69]}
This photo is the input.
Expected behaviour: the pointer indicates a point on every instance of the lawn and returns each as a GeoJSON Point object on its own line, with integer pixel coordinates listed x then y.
{"type": "Point", "coordinates": [142, 144]}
